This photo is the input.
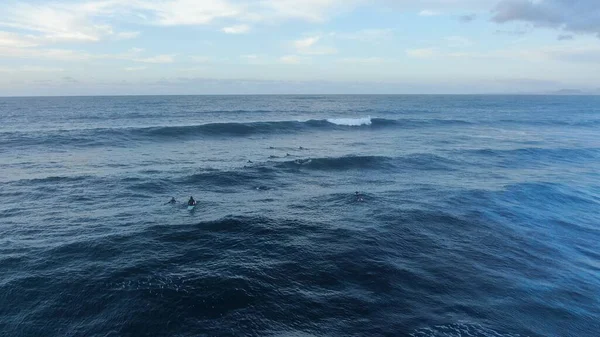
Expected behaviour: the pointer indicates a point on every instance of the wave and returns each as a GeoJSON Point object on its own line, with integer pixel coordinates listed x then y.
{"type": "Point", "coordinates": [53, 180]}
{"type": "Point", "coordinates": [122, 136]}
{"type": "Point", "coordinates": [270, 174]}
{"type": "Point", "coordinates": [551, 122]}
{"type": "Point", "coordinates": [533, 155]}
{"type": "Point", "coordinates": [233, 129]}
{"type": "Point", "coordinates": [350, 121]}
{"type": "Point", "coordinates": [339, 163]}
{"type": "Point", "coordinates": [419, 161]}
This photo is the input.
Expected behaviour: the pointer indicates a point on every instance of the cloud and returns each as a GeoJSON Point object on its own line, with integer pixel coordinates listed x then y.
{"type": "Point", "coordinates": [136, 68]}
{"type": "Point", "coordinates": [255, 59]}
{"type": "Point", "coordinates": [51, 54]}
{"type": "Point", "coordinates": [157, 59]}
{"type": "Point", "coordinates": [427, 12]}
{"type": "Point", "coordinates": [306, 42]}
{"type": "Point", "coordinates": [71, 80]}
{"type": "Point", "coordinates": [458, 41]}
{"type": "Point", "coordinates": [587, 54]}
{"type": "Point", "coordinates": [186, 12]}
{"type": "Point", "coordinates": [59, 22]}
{"type": "Point", "coordinates": [362, 60]}
{"type": "Point", "coordinates": [307, 46]}
{"type": "Point", "coordinates": [515, 32]}
{"type": "Point", "coordinates": [421, 52]}
{"type": "Point", "coordinates": [290, 59]}
{"type": "Point", "coordinates": [565, 37]}
{"type": "Point", "coordinates": [200, 59]}
{"type": "Point", "coordinates": [8, 39]}
{"type": "Point", "coordinates": [581, 16]}
{"type": "Point", "coordinates": [126, 35]}
{"type": "Point", "coordinates": [366, 35]}
{"type": "Point", "coordinates": [564, 54]}
{"type": "Point", "coordinates": [308, 10]}
{"type": "Point", "coordinates": [467, 18]}
{"type": "Point", "coordinates": [68, 55]}
{"type": "Point", "coordinates": [192, 69]}
{"type": "Point", "coordinates": [32, 69]}
{"type": "Point", "coordinates": [238, 29]}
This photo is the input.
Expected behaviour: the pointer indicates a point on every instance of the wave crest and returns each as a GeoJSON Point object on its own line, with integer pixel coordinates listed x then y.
{"type": "Point", "coordinates": [350, 121]}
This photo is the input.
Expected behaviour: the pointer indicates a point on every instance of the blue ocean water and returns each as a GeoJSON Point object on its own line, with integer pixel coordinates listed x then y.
{"type": "Point", "coordinates": [477, 216]}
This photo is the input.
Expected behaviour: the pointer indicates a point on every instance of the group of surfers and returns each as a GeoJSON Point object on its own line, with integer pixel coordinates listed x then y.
{"type": "Point", "coordinates": [191, 202]}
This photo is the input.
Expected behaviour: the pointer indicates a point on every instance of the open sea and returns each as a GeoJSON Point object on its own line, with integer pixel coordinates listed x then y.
{"type": "Point", "coordinates": [476, 216]}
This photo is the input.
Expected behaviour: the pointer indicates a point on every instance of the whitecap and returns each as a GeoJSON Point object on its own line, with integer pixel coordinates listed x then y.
{"type": "Point", "coordinates": [350, 121]}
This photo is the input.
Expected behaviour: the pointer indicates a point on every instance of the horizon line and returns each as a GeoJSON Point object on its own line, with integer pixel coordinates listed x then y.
{"type": "Point", "coordinates": [307, 94]}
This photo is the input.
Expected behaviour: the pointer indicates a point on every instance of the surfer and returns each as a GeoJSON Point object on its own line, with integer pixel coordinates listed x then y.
{"type": "Point", "coordinates": [173, 201]}
{"type": "Point", "coordinates": [359, 197]}
{"type": "Point", "coordinates": [191, 202]}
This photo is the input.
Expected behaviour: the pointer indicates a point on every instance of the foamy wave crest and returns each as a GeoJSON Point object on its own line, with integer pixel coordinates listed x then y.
{"type": "Point", "coordinates": [350, 121]}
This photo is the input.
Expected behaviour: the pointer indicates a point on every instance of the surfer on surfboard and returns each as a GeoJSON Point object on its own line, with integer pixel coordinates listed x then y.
{"type": "Point", "coordinates": [358, 196]}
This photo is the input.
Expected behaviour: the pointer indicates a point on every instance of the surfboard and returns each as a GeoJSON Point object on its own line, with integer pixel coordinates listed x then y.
{"type": "Point", "coordinates": [191, 207]}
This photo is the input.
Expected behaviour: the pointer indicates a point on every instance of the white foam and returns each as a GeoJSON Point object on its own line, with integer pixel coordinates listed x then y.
{"type": "Point", "coordinates": [351, 121]}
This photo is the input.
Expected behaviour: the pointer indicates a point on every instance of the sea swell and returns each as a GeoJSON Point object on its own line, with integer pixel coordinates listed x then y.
{"type": "Point", "coordinates": [471, 219]}
{"type": "Point", "coordinates": [416, 161]}
{"type": "Point", "coordinates": [88, 137]}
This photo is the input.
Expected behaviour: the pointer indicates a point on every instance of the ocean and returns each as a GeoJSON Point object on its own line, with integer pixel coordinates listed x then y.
{"type": "Point", "coordinates": [475, 216]}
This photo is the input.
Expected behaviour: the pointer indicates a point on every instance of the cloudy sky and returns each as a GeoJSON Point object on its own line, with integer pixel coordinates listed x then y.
{"type": "Point", "coordinates": [69, 47]}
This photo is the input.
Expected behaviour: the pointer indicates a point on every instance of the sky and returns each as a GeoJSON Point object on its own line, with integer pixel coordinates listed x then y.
{"type": "Point", "coordinates": [130, 47]}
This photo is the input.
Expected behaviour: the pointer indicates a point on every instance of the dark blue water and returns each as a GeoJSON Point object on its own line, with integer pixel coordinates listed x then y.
{"type": "Point", "coordinates": [479, 216]}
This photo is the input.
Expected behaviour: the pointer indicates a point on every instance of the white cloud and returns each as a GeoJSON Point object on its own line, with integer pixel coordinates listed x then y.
{"type": "Point", "coordinates": [563, 53]}
{"type": "Point", "coordinates": [366, 35]}
{"type": "Point", "coordinates": [33, 69]}
{"type": "Point", "coordinates": [50, 54]}
{"type": "Point", "coordinates": [238, 29]}
{"type": "Point", "coordinates": [458, 42]}
{"type": "Point", "coordinates": [126, 35]}
{"type": "Point", "coordinates": [319, 51]}
{"type": "Point", "coordinates": [8, 39]}
{"type": "Point", "coordinates": [421, 52]}
{"type": "Point", "coordinates": [136, 68]}
{"type": "Point", "coordinates": [192, 69]}
{"type": "Point", "coordinates": [200, 59]}
{"type": "Point", "coordinates": [67, 55]}
{"type": "Point", "coordinates": [306, 42]}
{"type": "Point", "coordinates": [310, 10]}
{"type": "Point", "coordinates": [186, 12]}
{"type": "Point", "coordinates": [362, 60]}
{"type": "Point", "coordinates": [57, 22]}
{"type": "Point", "coordinates": [427, 12]}
{"type": "Point", "coordinates": [290, 59]}
{"type": "Point", "coordinates": [157, 59]}
{"type": "Point", "coordinates": [307, 46]}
